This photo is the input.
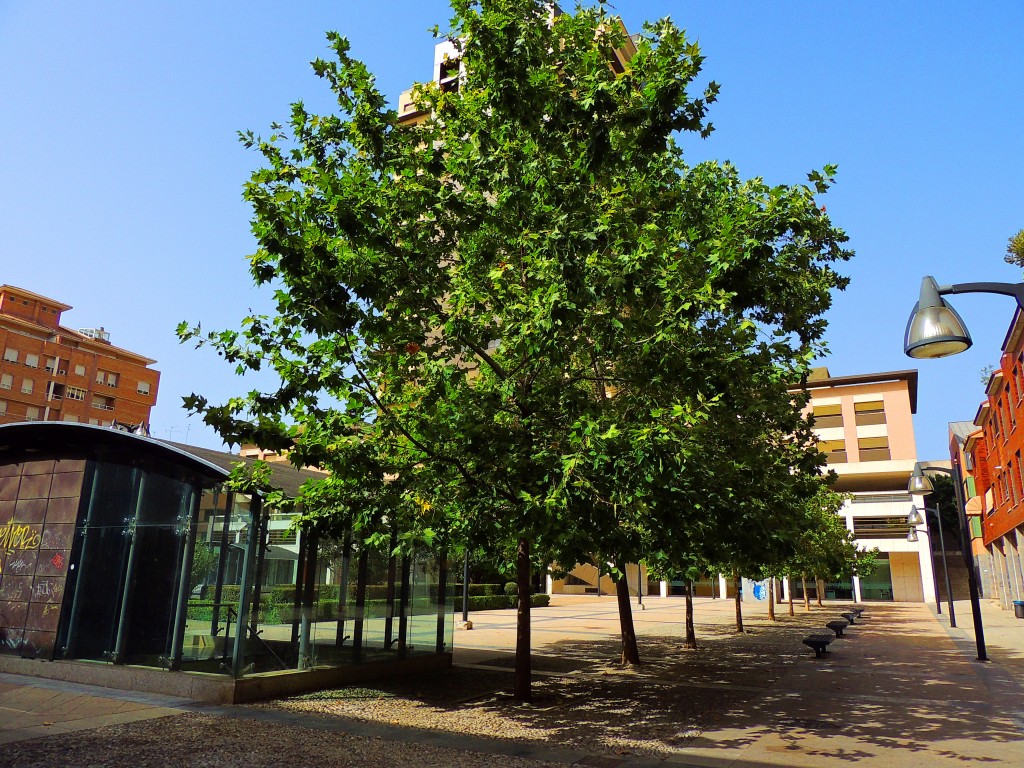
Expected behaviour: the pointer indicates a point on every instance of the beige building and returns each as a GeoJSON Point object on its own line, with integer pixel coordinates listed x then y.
{"type": "Point", "coordinates": [865, 426]}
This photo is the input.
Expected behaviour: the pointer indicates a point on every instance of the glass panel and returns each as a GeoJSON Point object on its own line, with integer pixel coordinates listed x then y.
{"type": "Point", "coordinates": [155, 569]}
{"type": "Point", "coordinates": [838, 590]}
{"type": "Point", "coordinates": [877, 585]}
{"type": "Point", "coordinates": [98, 562]}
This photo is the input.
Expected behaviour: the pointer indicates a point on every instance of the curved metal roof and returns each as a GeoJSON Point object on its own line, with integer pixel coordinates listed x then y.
{"type": "Point", "coordinates": [64, 435]}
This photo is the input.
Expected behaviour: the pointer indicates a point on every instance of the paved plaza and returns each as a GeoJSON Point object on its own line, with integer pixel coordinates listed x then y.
{"type": "Point", "coordinates": [900, 689]}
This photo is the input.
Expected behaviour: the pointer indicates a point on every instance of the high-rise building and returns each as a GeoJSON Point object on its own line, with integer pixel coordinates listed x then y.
{"type": "Point", "coordinates": [52, 373]}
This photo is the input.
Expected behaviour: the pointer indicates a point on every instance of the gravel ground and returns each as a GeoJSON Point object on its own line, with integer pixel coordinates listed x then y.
{"type": "Point", "coordinates": [584, 704]}
{"type": "Point", "coordinates": [210, 741]}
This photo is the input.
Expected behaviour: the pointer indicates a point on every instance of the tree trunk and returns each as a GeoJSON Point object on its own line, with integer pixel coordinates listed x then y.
{"type": "Point", "coordinates": [739, 602]}
{"type": "Point", "coordinates": [691, 635]}
{"type": "Point", "coordinates": [771, 599]}
{"type": "Point", "coordinates": [522, 690]}
{"type": "Point", "coordinates": [807, 598]}
{"type": "Point", "coordinates": [791, 598]}
{"type": "Point", "coordinates": [630, 652]}
{"type": "Point", "coordinates": [819, 588]}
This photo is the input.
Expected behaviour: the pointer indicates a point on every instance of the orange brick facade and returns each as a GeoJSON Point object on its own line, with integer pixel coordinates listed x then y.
{"type": "Point", "coordinates": [52, 373]}
{"type": "Point", "coordinates": [998, 456]}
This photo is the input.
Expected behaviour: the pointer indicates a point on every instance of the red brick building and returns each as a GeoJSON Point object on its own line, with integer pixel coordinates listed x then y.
{"type": "Point", "coordinates": [52, 373]}
{"type": "Point", "coordinates": [996, 459]}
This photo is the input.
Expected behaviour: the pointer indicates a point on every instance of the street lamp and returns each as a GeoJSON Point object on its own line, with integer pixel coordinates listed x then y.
{"type": "Point", "coordinates": [934, 328]}
{"type": "Point", "coordinates": [921, 484]}
{"type": "Point", "coordinates": [915, 519]}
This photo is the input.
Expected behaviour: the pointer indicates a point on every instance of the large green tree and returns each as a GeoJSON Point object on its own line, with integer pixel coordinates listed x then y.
{"type": "Point", "coordinates": [528, 312]}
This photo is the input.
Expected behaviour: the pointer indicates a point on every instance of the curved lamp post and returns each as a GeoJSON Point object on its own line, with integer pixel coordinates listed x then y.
{"type": "Point", "coordinates": [921, 484]}
{"type": "Point", "coordinates": [934, 329]}
{"type": "Point", "coordinates": [915, 519]}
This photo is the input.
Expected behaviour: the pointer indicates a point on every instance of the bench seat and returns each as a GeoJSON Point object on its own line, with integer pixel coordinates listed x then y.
{"type": "Point", "coordinates": [819, 643]}
{"type": "Point", "coordinates": [838, 626]}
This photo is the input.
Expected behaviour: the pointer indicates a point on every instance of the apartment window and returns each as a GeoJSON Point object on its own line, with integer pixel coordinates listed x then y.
{"type": "Point", "coordinates": [94, 422]}
{"type": "Point", "coordinates": [3, 407]}
{"type": "Point", "coordinates": [103, 403]}
{"type": "Point", "coordinates": [872, 412]}
{"type": "Point", "coordinates": [51, 365]}
{"type": "Point", "coordinates": [834, 450]}
{"type": "Point", "coordinates": [70, 417]}
{"type": "Point", "coordinates": [827, 416]}
{"type": "Point", "coordinates": [10, 355]}
{"type": "Point", "coordinates": [32, 361]}
{"type": "Point", "coordinates": [1012, 482]}
{"type": "Point", "coordinates": [106, 378]}
{"type": "Point", "coordinates": [31, 413]}
{"type": "Point", "coordinates": [1018, 377]}
{"type": "Point", "coordinates": [873, 448]}
{"type": "Point", "coordinates": [74, 393]}
{"type": "Point", "coordinates": [6, 381]}
{"type": "Point", "coordinates": [27, 385]}
{"type": "Point", "coordinates": [143, 388]}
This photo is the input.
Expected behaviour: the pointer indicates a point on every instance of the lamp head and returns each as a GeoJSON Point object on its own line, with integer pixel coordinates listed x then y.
{"type": "Point", "coordinates": [912, 535]}
{"type": "Point", "coordinates": [914, 518]}
{"type": "Point", "coordinates": [934, 328]}
{"type": "Point", "coordinates": [919, 483]}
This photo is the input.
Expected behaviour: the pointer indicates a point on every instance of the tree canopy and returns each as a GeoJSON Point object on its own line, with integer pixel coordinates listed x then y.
{"type": "Point", "coordinates": [527, 323]}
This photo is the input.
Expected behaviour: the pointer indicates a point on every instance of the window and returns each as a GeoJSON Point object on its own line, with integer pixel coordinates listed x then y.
{"type": "Point", "coordinates": [834, 450]}
{"type": "Point", "coordinates": [1018, 377]}
{"type": "Point", "coordinates": [74, 393]}
{"type": "Point", "coordinates": [31, 413]}
{"type": "Point", "coordinates": [143, 388]}
{"type": "Point", "coordinates": [3, 407]}
{"type": "Point", "coordinates": [6, 381]}
{"type": "Point", "coordinates": [95, 422]}
{"type": "Point", "coordinates": [107, 378]}
{"type": "Point", "coordinates": [1011, 415]}
{"type": "Point", "coordinates": [103, 403]}
{"type": "Point", "coordinates": [827, 416]}
{"type": "Point", "coordinates": [79, 370]}
{"type": "Point", "coordinates": [873, 448]}
{"type": "Point", "coordinates": [32, 361]}
{"type": "Point", "coordinates": [10, 355]}
{"type": "Point", "coordinates": [1012, 482]}
{"type": "Point", "coordinates": [51, 364]}
{"type": "Point", "coordinates": [70, 417]}
{"type": "Point", "coordinates": [27, 385]}
{"type": "Point", "coordinates": [872, 412]}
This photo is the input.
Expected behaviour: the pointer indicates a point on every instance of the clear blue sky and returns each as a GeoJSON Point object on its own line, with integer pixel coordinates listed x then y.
{"type": "Point", "coordinates": [121, 176]}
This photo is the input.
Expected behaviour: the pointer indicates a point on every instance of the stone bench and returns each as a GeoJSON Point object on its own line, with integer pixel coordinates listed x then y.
{"type": "Point", "coordinates": [819, 643]}
{"type": "Point", "coordinates": [838, 626]}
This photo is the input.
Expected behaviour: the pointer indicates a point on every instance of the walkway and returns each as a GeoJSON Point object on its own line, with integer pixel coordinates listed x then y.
{"type": "Point", "coordinates": [900, 690]}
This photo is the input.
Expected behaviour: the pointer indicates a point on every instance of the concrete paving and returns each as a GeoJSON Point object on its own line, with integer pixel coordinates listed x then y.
{"type": "Point", "coordinates": [901, 689]}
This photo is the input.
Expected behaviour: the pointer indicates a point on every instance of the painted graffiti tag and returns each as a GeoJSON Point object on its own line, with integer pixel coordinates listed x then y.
{"type": "Point", "coordinates": [14, 537]}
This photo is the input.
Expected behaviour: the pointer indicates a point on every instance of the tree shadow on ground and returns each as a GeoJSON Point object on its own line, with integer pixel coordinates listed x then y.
{"type": "Point", "coordinates": [887, 685]}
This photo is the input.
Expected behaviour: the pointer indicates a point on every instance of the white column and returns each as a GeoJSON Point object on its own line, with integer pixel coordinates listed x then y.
{"type": "Point", "coordinates": [549, 583]}
{"type": "Point", "coordinates": [856, 590]}
{"type": "Point", "coordinates": [723, 586]}
{"type": "Point", "coordinates": [785, 590]}
{"type": "Point", "coordinates": [663, 585]}
{"type": "Point", "coordinates": [924, 559]}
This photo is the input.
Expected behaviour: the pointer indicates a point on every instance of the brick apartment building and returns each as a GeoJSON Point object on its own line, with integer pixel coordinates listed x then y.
{"type": "Point", "coordinates": [994, 472]}
{"type": "Point", "coordinates": [52, 373]}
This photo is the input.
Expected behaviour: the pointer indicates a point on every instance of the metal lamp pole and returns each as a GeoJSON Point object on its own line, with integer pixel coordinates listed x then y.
{"type": "Point", "coordinates": [914, 519]}
{"type": "Point", "coordinates": [919, 483]}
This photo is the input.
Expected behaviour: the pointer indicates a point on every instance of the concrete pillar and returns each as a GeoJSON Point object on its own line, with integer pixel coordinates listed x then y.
{"type": "Point", "coordinates": [723, 586]}
{"type": "Point", "coordinates": [856, 590]}
{"type": "Point", "coordinates": [663, 588]}
{"type": "Point", "coordinates": [785, 590]}
{"type": "Point", "coordinates": [549, 583]}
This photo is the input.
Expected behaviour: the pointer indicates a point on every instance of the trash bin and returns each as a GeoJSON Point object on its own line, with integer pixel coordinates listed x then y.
{"type": "Point", "coordinates": [1018, 609]}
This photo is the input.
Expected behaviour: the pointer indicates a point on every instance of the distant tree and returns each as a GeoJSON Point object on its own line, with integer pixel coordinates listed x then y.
{"type": "Point", "coordinates": [1015, 249]}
